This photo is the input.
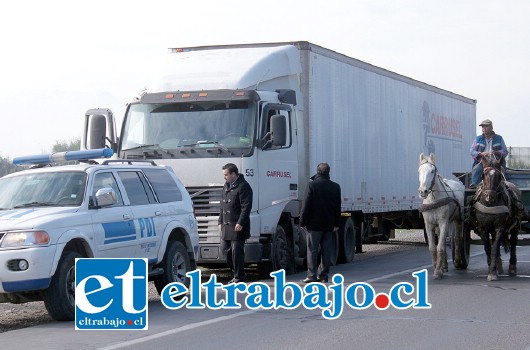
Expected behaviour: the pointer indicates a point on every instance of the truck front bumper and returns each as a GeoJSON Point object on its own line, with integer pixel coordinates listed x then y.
{"type": "Point", "coordinates": [211, 254]}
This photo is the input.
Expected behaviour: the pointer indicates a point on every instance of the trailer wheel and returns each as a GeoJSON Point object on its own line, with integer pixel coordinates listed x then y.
{"type": "Point", "coordinates": [59, 298]}
{"type": "Point", "coordinates": [176, 264]}
{"type": "Point", "coordinates": [346, 241]}
{"type": "Point", "coordinates": [359, 235]}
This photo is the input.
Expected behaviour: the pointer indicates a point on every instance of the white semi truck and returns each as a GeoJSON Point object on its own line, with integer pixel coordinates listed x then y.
{"type": "Point", "coordinates": [277, 110]}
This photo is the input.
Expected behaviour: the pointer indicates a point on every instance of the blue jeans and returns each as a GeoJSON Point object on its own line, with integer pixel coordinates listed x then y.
{"type": "Point", "coordinates": [476, 175]}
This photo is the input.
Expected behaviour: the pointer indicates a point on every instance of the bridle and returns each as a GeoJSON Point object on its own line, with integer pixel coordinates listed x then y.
{"type": "Point", "coordinates": [433, 181]}
{"type": "Point", "coordinates": [492, 194]}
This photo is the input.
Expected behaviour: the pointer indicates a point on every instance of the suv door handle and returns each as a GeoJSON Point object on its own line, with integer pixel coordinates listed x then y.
{"type": "Point", "coordinates": [126, 216]}
{"type": "Point", "coordinates": [157, 213]}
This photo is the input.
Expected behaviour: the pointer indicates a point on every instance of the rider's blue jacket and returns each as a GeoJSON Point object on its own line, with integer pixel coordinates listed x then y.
{"type": "Point", "coordinates": [479, 145]}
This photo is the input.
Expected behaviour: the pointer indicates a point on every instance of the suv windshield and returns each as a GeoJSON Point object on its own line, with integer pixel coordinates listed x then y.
{"type": "Point", "coordinates": [224, 124]}
{"type": "Point", "coordinates": [42, 189]}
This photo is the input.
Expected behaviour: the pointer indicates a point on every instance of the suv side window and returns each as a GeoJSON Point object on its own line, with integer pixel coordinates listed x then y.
{"type": "Point", "coordinates": [107, 180]}
{"type": "Point", "coordinates": [137, 188]}
{"type": "Point", "coordinates": [164, 185]}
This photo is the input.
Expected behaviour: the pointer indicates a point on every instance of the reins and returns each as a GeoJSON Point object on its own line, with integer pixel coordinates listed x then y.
{"type": "Point", "coordinates": [451, 198]}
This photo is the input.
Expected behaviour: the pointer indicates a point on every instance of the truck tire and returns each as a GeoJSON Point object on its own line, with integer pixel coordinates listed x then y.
{"type": "Point", "coordinates": [59, 298]}
{"type": "Point", "coordinates": [281, 256]}
{"type": "Point", "coordinates": [346, 241]}
{"type": "Point", "coordinates": [176, 264]}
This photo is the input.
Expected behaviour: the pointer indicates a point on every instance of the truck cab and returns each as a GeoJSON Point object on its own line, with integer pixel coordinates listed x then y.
{"type": "Point", "coordinates": [196, 133]}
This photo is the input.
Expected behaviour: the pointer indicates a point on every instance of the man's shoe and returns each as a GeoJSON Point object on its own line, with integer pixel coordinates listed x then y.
{"type": "Point", "coordinates": [473, 186]}
{"type": "Point", "coordinates": [236, 280]}
{"type": "Point", "coordinates": [323, 279]}
{"type": "Point", "coordinates": [309, 280]}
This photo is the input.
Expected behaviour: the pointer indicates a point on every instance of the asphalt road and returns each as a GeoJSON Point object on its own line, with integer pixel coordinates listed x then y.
{"type": "Point", "coordinates": [467, 312]}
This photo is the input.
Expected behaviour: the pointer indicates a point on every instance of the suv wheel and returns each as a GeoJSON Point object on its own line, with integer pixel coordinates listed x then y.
{"type": "Point", "coordinates": [59, 298]}
{"type": "Point", "coordinates": [176, 264]}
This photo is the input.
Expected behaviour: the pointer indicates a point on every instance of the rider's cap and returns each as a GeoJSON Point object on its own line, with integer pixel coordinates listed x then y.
{"type": "Point", "coordinates": [486, 122]}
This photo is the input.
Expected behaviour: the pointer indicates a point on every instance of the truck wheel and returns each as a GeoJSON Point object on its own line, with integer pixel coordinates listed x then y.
{"type": "Point", "coordinates": [59, 298]}
{"type": "Point", "coordinates": [176, 264]}
{"type": "Point", "coordinates": [282, 256]}
{"type": "Point", "coordinates": [346, 241]}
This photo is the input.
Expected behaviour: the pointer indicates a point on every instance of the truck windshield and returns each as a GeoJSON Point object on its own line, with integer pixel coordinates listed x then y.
{"type": "Point", "coordinates": [42, 189]}
{"type": "Point", "coordinates": [224, 124]}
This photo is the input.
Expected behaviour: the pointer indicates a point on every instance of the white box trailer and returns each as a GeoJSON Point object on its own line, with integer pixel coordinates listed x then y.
{"type": "Point", "coordinates": [277, 110]}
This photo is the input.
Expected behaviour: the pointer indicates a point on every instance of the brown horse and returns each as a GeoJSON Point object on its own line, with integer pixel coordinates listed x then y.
{"type": "Point", "coordinates": [496, 211]}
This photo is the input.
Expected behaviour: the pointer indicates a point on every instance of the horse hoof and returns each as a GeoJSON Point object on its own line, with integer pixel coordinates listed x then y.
{"type": "Point", "coordinates": [457, 264]}
{"type": "Point", "coordinates": [438, 275]}
{"type": "Point", "coordinates": [512, 270]}
{"type": "Point", "coordinates": [492, 277]}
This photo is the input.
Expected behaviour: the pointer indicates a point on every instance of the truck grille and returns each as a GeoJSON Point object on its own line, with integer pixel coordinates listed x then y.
{"type": "Point", "coordinates": [207, 204]}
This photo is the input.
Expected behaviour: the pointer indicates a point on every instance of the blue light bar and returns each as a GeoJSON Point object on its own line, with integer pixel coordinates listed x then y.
{"type": "Point", "coordinates": [65, 156]}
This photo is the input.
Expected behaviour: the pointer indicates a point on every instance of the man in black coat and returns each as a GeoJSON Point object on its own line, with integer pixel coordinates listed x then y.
{"type": "Point", "coordinates": [321, 215]}
{"type": "Point", "coordinates": [234, 220]}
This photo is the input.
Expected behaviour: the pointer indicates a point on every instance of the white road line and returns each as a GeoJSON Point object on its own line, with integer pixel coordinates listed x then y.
{"type": "Point", "coordinates": [238, 314]}
{"type": "Point", "coordinates": [177, 330]}
{"type": "Point", "coordinates": [413, 269]}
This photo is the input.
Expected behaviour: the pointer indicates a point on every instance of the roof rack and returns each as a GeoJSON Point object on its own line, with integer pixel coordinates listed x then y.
{"type": "Point", "coordinates": [128, 161]}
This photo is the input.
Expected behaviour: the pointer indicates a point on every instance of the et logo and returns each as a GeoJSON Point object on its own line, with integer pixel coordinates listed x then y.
{"type": "Point", "coordinates": [111, 294]}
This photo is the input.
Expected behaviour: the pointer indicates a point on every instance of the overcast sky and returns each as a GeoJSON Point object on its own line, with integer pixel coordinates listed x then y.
{"type": "Point", "coordinates": [60, 58]}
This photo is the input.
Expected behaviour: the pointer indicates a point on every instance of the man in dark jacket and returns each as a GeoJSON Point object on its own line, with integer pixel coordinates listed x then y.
{"type": "Point", "coordinates": [234, 220]}
{"type": "Point", "coordinates": [321, 216]}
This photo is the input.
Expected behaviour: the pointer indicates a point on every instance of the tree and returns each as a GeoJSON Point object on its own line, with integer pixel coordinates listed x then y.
{"type": "Point", "coordinates": [6, 166]}
{"type": "Point", "coordinates": [74, 144]}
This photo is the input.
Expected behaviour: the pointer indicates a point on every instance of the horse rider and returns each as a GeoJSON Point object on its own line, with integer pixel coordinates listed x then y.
{"type": "Point", "coordinates": [486, 143]}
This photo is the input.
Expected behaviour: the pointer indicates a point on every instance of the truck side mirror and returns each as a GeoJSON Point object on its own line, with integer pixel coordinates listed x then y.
{"type": "Point", "coordinates": [278, 130]}
{"type": "Point", "coordinates": [97, 132]}
{"type": "Point", "coordinates": [277, 136]}
{"type": "Point", "coordinates": [99, 128]}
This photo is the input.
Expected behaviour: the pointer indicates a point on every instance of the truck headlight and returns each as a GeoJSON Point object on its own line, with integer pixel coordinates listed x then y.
{"type": "Point", "coordinates": [25, 238]}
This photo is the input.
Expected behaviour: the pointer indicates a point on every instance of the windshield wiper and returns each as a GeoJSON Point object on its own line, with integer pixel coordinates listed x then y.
{"type": "Point", "coordinates": [35, 204]}
{"type": "Point", "coordinates": [140, 147]}
{"type": "Point", "coordinates": [154, 145]}
{"type": "Point", "coordinates": [215, 143]}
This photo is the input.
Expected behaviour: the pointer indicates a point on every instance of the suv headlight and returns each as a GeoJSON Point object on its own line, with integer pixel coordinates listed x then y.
{"type": "Point", "coordinates": [24, 238]}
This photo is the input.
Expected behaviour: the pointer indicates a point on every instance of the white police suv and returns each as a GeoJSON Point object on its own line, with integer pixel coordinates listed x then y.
{"type": "Point", "coordinates": [51, 215]}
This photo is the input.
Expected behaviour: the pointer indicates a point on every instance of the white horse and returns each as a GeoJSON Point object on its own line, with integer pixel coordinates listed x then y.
{"type": "Point", "coordinates": [442, 209]}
